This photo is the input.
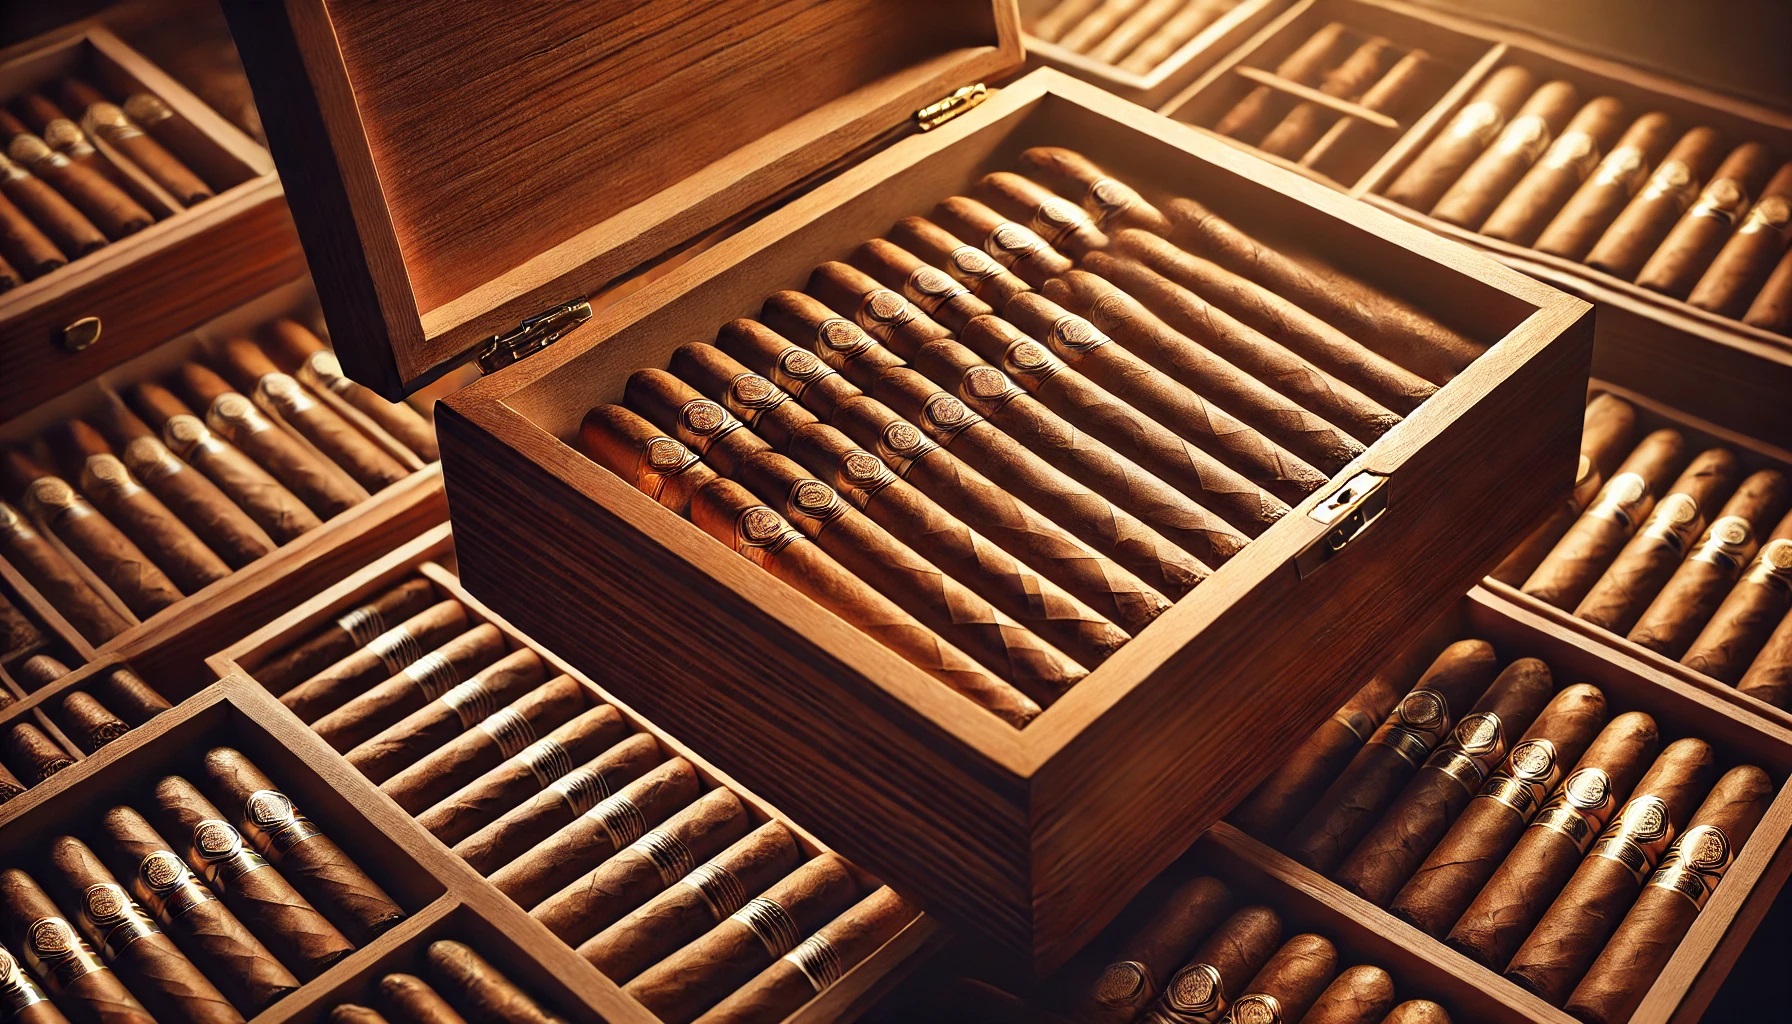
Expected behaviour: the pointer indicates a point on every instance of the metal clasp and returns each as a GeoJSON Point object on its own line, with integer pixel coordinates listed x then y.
{"type": "Point", "coordinates": [532, 335]}
{"type": "Point", "coordinates": [1348, 511]}
{"type": "Point", "coordinates": [935, 114]}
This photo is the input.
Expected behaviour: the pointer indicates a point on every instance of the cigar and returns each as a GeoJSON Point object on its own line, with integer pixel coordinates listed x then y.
{"type": "Point", "coordinates": [1263, 106]}
{"type": "Point", "coordinates": [282, 834]}
{"type": "Point", "coordinates": [32, 755]}
{"type": "Point", "coordinates": [1769, 676]}
{"type": "Point", "coordinates": [452, 714]}
{"type": "Point", "coordinates": [1742, 266]}
{"type": "Point", "coordinates": [1295, 784]}
{"type": "Point", "coordinates": [103, 204]}
{"type": "Point", "coordinates": [1488, 180]}
{"type": "Point", "coordinates": [1016, 248]}
{"type": "Point", "coordinates": [1131, 22]}
{"type": "Point", "coordinates": [1360, 995]}
{"type": "Point", "coordinates": [354, 1013]}
{"type": "Point", "coordinates": [1288, 985]}
{"type": "Point", "coordinates": [931, 289]}
{"type": "Point", "coordinates": [1647, 937]}
{"type": "Point", "coordinates": [1302, 126]}
{"type": "Point", "coordinates": [411, 998]}
{"type": "Point", "coordinates": [1391, 325]}
{"type": "Point", "coordinates": [69, 138]}
{"type": "Point", "coordinates": [62, 961]}
{"type": "Point", "coordinates": [525, 774]}
{"type": "Point", "coordinates": [224, 530]}
{"type": "Point", "coordinates": [1396, 846]}
{"type": "Point", "coordinates": [649, 865]}
{"type": "Point", "coordinates": [635, 450]}
{"type": "Point", "coordinates": [1217, 972]}
{"type": "Point", "coordinates": [492, 742]}
{"type": "Point", "coordinates": [766, 927]}
{"type": "Point", "coordinates": [320, 484]}
{"type": "Point", "coordinates": [607, 828]}
{"type": "Point", "coordinates": [35, 672]}
{"type": "Point", "coordinates": [131, 942]}
{"type": "Point", "coordinates": [364, 716]}
{"type": "Point", "coordinates": [1189, 21]}
{"type": "Point", "coordinates": [1491, 824]}
{"type": "Point", "coordinates": [970, 266]}
{"type": "Point", "coordinates": [1352, 144]}
{"type": "Point", "coordinates": [25, 1000]}
{"type": "Point", "coordinates": [381, 658]}
{"type": "Point", "coordinates": [1134, 977]}
{"type": "Point", "coordinates": [47, 211]}
{"type": "Point", "coordinates": [1469, 133]}
{"type": "Point", "coordinates": [320, 371]}
{"type": "Point", "coordinates": [1577, 561]}
{"type": "Point", "coordinates": [142, 517]}
{"type": "Point", "coordinates": [480, 989]}
{"type": "Point", "coordinates": [1522, 215]}
{"type": "Point", "coordinates": [120, 564]}
{"type": "Point", "coordinates": [18, 636]}
{"type": "Point", "coordinates": [1112, 203]}
{"type": "Point", "coordinates": [817, 963]}
{"type": "Point", "coordinates": [1636, 575]}
{"type": "Point", "coordinates": [1771, 309]}
{"type": "Point", "coordinates": [90, 724]}
{"type": "Point", "coordinates": [1699, 235]}
{"type": "Point", "coordinates": [279, 513]}
{"type": "Point", "coordinates": [1625, 246]}
{"type": "Point", "coordinates": [1354, 801]}
{"type": "Point", "coordinates": [27, 250]}
{"type": "Point", "coordinates": [110, 122]}
{"type": "Point", "coordinates": [346, 634]}
{"type": "Point", "coordinates": [10, 786]}
{"type": "Point", "coordinates": [354, 452]}
{"type": "Point", "coordinates": [1381, 381]}
{"type": "Point", "coordinates": [1575, 927]}
{"type": "Point", "coordinates": [58, 581]}
{"type": "Point", "coordinates": [1690, 597]}
{"type": "Point", "coordinates": [1063, 224]}
{"type": "Point", "coordinates": [1417, 1011]}
{"type": "Point", "coordinates": [1608, 433]}
{"type": "Point", "coordinates": [1095, 22]}
{"type": "Point", "coordinates": [135, 699]}
{"type": "Point", "coordinates": [1596, 204]}
{"type": "Point", "coordinates": [1058, 19]}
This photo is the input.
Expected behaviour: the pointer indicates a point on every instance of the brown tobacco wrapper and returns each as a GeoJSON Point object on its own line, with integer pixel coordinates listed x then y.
{"type": "Point", "coordinates": [1145, 958]}
{"type": "Point", "coordinates": [120, 564]}
{"type": "Point", "coordinates": [141, 516]}
{"type": "Point", "coordinates": [1017, 248]}
{"type": "Point", "coordinates": [970, 266]}
{"type": "Point", "coordinates": [23, 244]}
{"type": "Point", "coordinates": [288, 839]}
{"type": "Point", "coordinates": [1294, 786]}
{"type": "Point", "coordinates": [1417, 1011]}
{"type": "Point", "coordinates": [817, 962]}
{"type": "Point", "coordinates": [1392, 850]}
{"type": "Point", "coordinates": [1064, 225]}
{"type": "Point", "coordinates": [1522, 214]}
{"type": "Point", "coordinates": [1112, 203]}
{"type": "Point", "coordinates": [276, 510]}
{"type": "Point", "coordinates": [649, 865]}
{"type": "Point", "coordinates": [1188, 21]}
{"type": "Point", "coordinates": [411, 998]}
{"type": "Point", "coordinates": [1772, 308]}
{"type": "Point", "coordinates": [352, 1013]}
{"type": "Point", "coordinates": [931, 289]}
{"type": "Point", "coordinates": [89, 723]}
{"type": "Point", "coordinates": [1699, 235]}
{"type": "Point", "coordinates": [415, 685]}
{"type": "Point", "coordinates": [1467, 855]}
{"type": "Point", "coordinates": [1769, 676]}
{"type": "Point", "coordinates": [637, 451]}
{"type": "Point", "coordinates": [1360, 995]}
{"type": "Point", "coordinates": [381, 658]}
{"type": "Point", "coordinates": [1575, 927]}
{"type": "Point", "coordinates": [58, 581]}
{"type": "Point", "coordinates": [1639, 229]}
{"type": "Point", "coordinates": [1520, 145]}
{"type": "Point", "coordinates": [1288, 985]}
{"type": "Point", "coordinates": [1636, 575]}
{"type": "Point", "coordinates": [1351, 143]}
{"type": "Point", "coordinates": [1742, 266]}
{"type": "Point", "coordinates": [1572, 232]}
{"type": "Point", "coordinates": [18, 635]}
{"type": "Point", "coordinates": [197, 502]}
{"type": "Point", "coordinates": [1741, 624]}
{"type": "Point", "coordinates": [32, 755]}
{"type": "Point", "coordinates": [1587, 549]}
{"type": "Point", "coordinates": [73, 234]}
{"type": "Point", "coordinates": [1469, 133]}
{"type": "Point", "coordinates": [766, 927]}
{"type": "Point", "coordinates": [1260, 108]}
{"type": "Point", "coordinates": [489, 744]}
{"type": "Point", "coordinates": [25, 1001]}
{"type": "Point", "coordinates": [1694, 592]}
{"type": "Point", "coordinates": [1217, 971]}
{"type": "Point", "coordinates": [608, 827]}
{"type": "Point", "coordinates": [320, 371]}
{"type": "Point", "coordinates": [1645, 940]}
{"type": "Point", "coordinates": [1111, 29]}
{"type": "Point", "coordinates": [35, 673]}
{"type": "Point", "coordinates": [1380, 770]}
{"type": "Point", "coordinates": [110, 123]}
{"type": "Point", "coordinates": [10, 786]}
{"type": "Point", "coordinates": [358, 455]}
{"type": "Point", "coordinates": [1060, 17]}
{"type": "Point", "coordinates": [346, 634]}
{"type": "Point", "coordinates": [1302, 126]}
{"type": "Point", "coordinates": [456, 711]}
{"type": "Point", "coordinates": [316, 481]}
{"type": "Point", "coordinates": [131, 942]}
{"type": "Point", "coordinates": [69, 969]}
{"type": "Point", "coordinates": [480, 990]}
{"type": "Point", "coordinates": [135, 699]}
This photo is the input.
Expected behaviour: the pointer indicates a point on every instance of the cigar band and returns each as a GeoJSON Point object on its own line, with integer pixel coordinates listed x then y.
{"type": "Point", "coordinates": [1622, 168]}
{"type": "Point", "coordinates": [900, 445]}
{"type": "Point", "coordinates": [510, 731]}
{"type": "Point", "coordinates": [818, 961]}
{"type": "Point", "coordinates": [1108, 198]}
{"type": "Point", "coordinates": [1478, 122]}
{"type": "Point", "coordinates": [721, 891]}
{"type": "Point", "coordinates": [1729, 543]}
{"type": "Point", "coordinates": [33, 152]}
{"type": "Point", "coordinates": [1620, 499]}
{"type": "Point", "coordinates": [667, 853]}
{"type": "Point", "coordinates": [547, 759]}
{"type": "Point", "coordinates": [113, 920]}
{"type": "Point", "coordinates": [104, 473]}
{"type": "Point", "coordinates": [796, 370]}
{"type": "Point", "coordinates": [147, 108]}
{"type": "Point", "coordinates": [768, 920]}
{"type": "Point", "coordinates": [971, 266]}
{"type": "Point", "coordinates": [1527, 778]}
{"type": "Point", "coordinates": [151, 460]}
{"type": "Point", "coordinates": [1196, 994]}
{"type": "Point", "coordinates": [1773, 568]}
{"type": "Point", "coordinates": [17, 988]}
{"type": "Point", "coordinates": [1695, 863]}
{"type": "Point", "coordinates": [14, 525]}
{"type": "Point", "coordinates": [581, 788]}
{"type": "Point", "coordinates": [110, 123]}
{"type": "Point", "coordinates": [1478, 744]}
{"type": "Point", "coordinates": [273, 825]}
{"type": "Point", "coordinates": [285, 394]}
{"type": "Point", "coordinates": [930, 288]}
{"type": "Point", "coordinates": [1029, 360]}
{"type": "Point", "coordinates": [167, 886]}
{"type": "Point", "coordinates": [1723, 200]}
{"type": "Point", "coordinates": [1120, 984]}
{"type": "Point", "coordinates": [1573, 151]}
{"type": "Point", "coordinates": [395, 648]}
{"type": "Point", "coordinates": [944, 417]}
{"type": "Point", "coordinates": [189, 437]}
{"type": "Point", "coordinates": [883, 313]}
{"type": "Point", "coordinates": [433, 674]}
{"type": "Point", "coordinates": [760, 534]}
{"type": "Point", "coordinates": [1674, 522]}
{"type": "Point", "coordinates": [58, 955]}
{"type": "Point", "coordinates": [1071, 336]}
{"type": "Point", "coordinates": [661, 460]}
{"type": "Point", "coordinates": [51, 499]}
{"type": "Point", "coordinates": [236, 417]}
{"type": "Point", "coordinates": [1638, 837]}
{"type": "Point", "coordinates": [839, 341]}
{"type": "Point", "coordinates": [751, 396]}
{"type": "Point", "coordinates": [621, 820]}
{"type": "Point", "coordinates": [1418, 723]}
{"type": "Point", "coordinates": [1255, 1008]}
{"type": "Point", "coordinates": [1056, 219]}
{"type": "Point", "coordinates": [10, 171]}
{"type": "Point", "coordinates": [860, 476]}
{"type": "Point", "coordinates": [322, 370]}
{"type": "Point", "coordinates": [1010, 244]}
{"type": "Point", "coordinates": [1673, 180]}
{"type": "Point", "coordinates": [1526, 136]}
{"type": "Point", "coordinates": [363, 625]}
{"type": "Point", "coordinates": [702, 423]}
{"type": "Point", "coordinates": [1773, 213]}
{"type": "Point", "coordinates": [65, 136]}
{"type": "Point", "coordinates": [1356, 721]}
{"type": "Point", "coordinates": [985, 389]}
{"type": "Point", "coordinates": [471, 703]}
{"type": "Point", "coordinates": [813, 502]}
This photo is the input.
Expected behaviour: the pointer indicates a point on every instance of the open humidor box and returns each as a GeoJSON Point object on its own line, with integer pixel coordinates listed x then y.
{"type": "Point", "coordinates": [1037, 836]}
{"type": "Point", "coordinates": [1149, 88]}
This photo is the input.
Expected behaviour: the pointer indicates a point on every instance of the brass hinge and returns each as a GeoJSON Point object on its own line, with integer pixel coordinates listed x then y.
{"type": "Point", "coordinates": [1348, 511]}
{"type": "Point", "coordinates": [532, 335]}
{"type": "Point", "coordinates": [935, 114]}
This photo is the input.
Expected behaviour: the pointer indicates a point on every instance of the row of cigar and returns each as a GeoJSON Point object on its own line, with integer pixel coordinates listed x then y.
{"type": "Point", "coordinates": [845, 439]}
{"type": "Point", "coordinates": [81, 171]}
{"type": "Point", "coordinates": [154, 502]}
{"type": "Point", "coordinates": [212, 928]}
{"type": "Point", "coordinates": [1680, 211]}
{"type": "Point", "coordinates": [1686, 554]}
{"type": "Point", "coordinates": [588, 823]}
{"type": "Point", "coordinates": [29, 754]}
{"type": "Point", "coordinates": [1134, 35]}
{"type": "Point", "coordinates": [1530, 828]}
{"type": "Point", "coordinates": [462, 987]}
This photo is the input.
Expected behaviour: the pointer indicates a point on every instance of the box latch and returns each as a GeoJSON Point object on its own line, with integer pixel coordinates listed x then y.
{"type": "Point", "coordinates": [935, 114]}
{"type": "Point", "coordinates": [1347, 512]}
{"type": "Point", "coordinates": [532, 335]}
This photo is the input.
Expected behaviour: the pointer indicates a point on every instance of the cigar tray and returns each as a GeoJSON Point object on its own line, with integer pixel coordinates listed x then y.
{"type": "Point", "coordinates": [533, 948]}
{"type": "Point", "coordinates": [1712, 366]}
{"type": "Point", "coordinates": [103, 308]}
{"type": "Point", "coordinates": [1152, 88]}
{"type": "Point", "coordinates": [443, 246]}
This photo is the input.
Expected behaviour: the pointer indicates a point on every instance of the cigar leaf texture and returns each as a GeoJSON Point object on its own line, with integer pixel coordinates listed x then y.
{"type": "Point", "coordinates": [480, 989]}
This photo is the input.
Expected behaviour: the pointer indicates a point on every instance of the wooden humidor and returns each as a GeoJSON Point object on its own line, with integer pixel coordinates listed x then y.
{"type": "Point", "coordinates": [1035, 837]}
{"type": "Point", "coordinates": [1150, 88]}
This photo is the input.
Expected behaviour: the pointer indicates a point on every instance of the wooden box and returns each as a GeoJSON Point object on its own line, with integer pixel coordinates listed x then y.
{"type": "Point", "coordinates": [1035, 837]}
{"type": "Point", "coordinates": [1148, 88]}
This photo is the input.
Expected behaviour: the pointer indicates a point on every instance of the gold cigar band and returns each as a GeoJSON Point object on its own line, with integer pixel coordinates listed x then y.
{"type": "Point", "coordinates": [105, 473]}
{"type": "Point", "coordinates": [860, 476]}
{"type": "Point", "coordinates": [582, 789]}
{"type": "Point", "coordinates": [1573, 151]}
{"type": "Point", "coordinates": [14, 525]}
{"type": "Point", "coordinates": [1622, 168]}
{"type": "Point", "coordinates": [1674, 522]}
{"type": "Point", "coordinates": [395, 648]}
{"type": "Point", "coordinates": [147, 108]}
{"type": "Point", "coordinates": [273, 825]}
{"type": "Point", "coordinates": [1695, 863]}
{"type": "Point", "coordinates": [57, 954]}
{"type": "Point", "coordinates": [110, 122]}
{"type": "Point", "coordinates": [1729, 543]}
{"type": "Point", "coordinates": [434, 674]}
{"type": "Point", "coordinates": [1419, 721]}
{"type": "Point", "coordinates": [1478, 122]}
{"type": "Point", "coordinates": [797, 369]}
{"type": "Point", "coordinates": [985, 389]}
{"type": "Point", "coordinates": [1772, 213]}
{"type": "Point", "coordinates": [661, 459]}
{"type": "Point", "coordinates": [1529, 774]}
{"type": "Point", "coordinates": [1107, 198]}
{"type": "Point", "coordinates": [1071, 336]}
{"type": "Point", "coordinates": [1010, 244]}
{"type": "Point", "coordinates": [1028, 360]}
{"type": "Point", "coordinates": [930, 288]}
{"type": "Point", "coordinates": [10, 171]}
{"type": "Point", "coordinates": [1672, 181]}
{"type": "Point", "coordinates": [363, 625]}
{"type": "Point", "coordinates": [621, 820]}
{"type": "Point", "coordinates": [65, 136]}
{"type": "Point", "coordinates": [471, 702]}
{"type": "Point", "coordinates": [944, 417]}
{"type": "Point", "coordinates": [971, 267]}
{"type": "Point", "coordinates": [1196, 994]}
{"type": "Point", "coordinates": [1121, 984]}
{"type": "Point", "coordinates": [900, 445]}
{"type": "Point", "coordinates": [51, 499]}
{"type": "Point", "coordinates": [113, 920]}
{"type": "Point", "coordinates": [151, 460]}
{"type": "Point", "coordinates": [547, 759]}
{"type": "Point", "coordinates": [818, 961]}
{"type": "Point", "coordinates": [1774, 566]}
{"type": "Point", "coordinates": [192, 439]}
{"type": "Point", "coordinates": [17, 989]}
{"type": "Point", "coordinates": [284, 394]}
{"type": "Point", "coordinates": [815, 502]}
{"type": "Point", "coordinates": [1478, 744]}
{"type": "Point", "coordinates": [167, 886]}
{"type": "Point", "coordinates": [751, 396]}
{"type": "Point", "coordinates": [1255, 1008]}
{"type": "Point", "coordinates": [1723, 200]}
{"type": "Point", "coordinates": [35, 153]}
{"type": "Point", "coordinates": [236, 417]}
{"type": "Point", "coordinates": [721, 891]}
{"type": "Point", "coordinates": [509, 730]}
{"type": "Point", "coordinates": [703, 423]}
{"type": "Point", "coordinates": [1057, 218]}
{"type": "Point", "coordinates": [839, 341]}
{"type": "Point", "coordinates": [882, 313]}
{"type": "Point", "coordinates": [668, 854]}
{"type": "Point", "coordinates": [1527, 136]}
{"type": "Point", "coordinates": [761, 534]}
{"type": "Point", "coordinates": [767, 919]}
{"type": "Point", "coordinates": [1620, 499]}
{"type": "Point", "coordinates": [1638, 837]}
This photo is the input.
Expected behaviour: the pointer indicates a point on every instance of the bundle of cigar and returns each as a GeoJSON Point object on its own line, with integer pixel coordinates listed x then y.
{"type": "Point", "coordinates": [1133, 35]}
{"type": "Point", "coordinates": [1676, 208]}
{"type": "Point", "coordinates": [1003, 499]}
{"type": "Point", "coordinates": [80, 169]}
{"type": "Point", "coordinates": [142, 502]}
{"type": "Point", "coordinates": [457, 985]}
{"type": "Point", "coordinates": [1365, 73]}
{"type": "Point", "coordinates": [106, 706]}
{"type": "Point", "coordinates": [1538, 830]}
{"type": "Point", "coordinates": [1685, 552]}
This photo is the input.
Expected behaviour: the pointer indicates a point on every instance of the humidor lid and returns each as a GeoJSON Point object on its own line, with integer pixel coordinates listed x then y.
{"type": "Point", "coordinates": [456, 167]}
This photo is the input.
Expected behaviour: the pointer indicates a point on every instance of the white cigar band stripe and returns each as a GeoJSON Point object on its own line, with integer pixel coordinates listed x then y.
{"type": "Point", "coordinates": [582, 789]}
{"type": "Point", "coordinates": [818, 961]}
{"type": "Point", "coordinates": [720, 889]}
{"type": "Point", "coordinates": [113, 920]}
{"type": "Point", "coordinates": [667, 853]}
{"type": "Point", "coordinates": [547, 760]}
{"type": "Point", "coordinates": [433, 673]}
{"type": "Point", "coordinates": [363, 625]}
{"type": "Point", "coordinates": [773, 924]}
{"type": "Point", "coordinates": [622, 821]}
{"type": "Point", "coordinates": [395, 648]}
{"type": "Point", "coordinates": [509, 730]}
{"type": "Point", "coordinates": [471, 702]}
{"type": "Point", "coordinates": [17, 988]}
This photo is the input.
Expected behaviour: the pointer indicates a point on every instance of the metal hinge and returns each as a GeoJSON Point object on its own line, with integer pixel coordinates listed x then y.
{"type": "Point", "coordinates": [935, 114]}
{"type": "Point", "coordinates": [1348, 511]}
{"type": "Point", "coordinates": [532, 335]}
